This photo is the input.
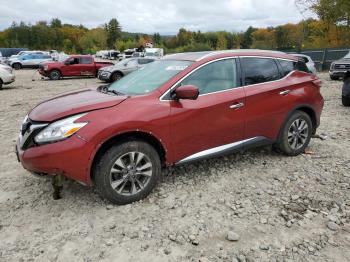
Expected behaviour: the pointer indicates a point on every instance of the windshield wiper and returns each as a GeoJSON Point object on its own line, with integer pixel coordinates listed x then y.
{"type": "Point", "coordinates": [105, 89]}
{"type": "Point", "coordinates": [115, 92]}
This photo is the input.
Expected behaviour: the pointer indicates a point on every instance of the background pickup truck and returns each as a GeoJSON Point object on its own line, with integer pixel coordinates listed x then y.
{"type": "Point", "coordinates": [76, 65]}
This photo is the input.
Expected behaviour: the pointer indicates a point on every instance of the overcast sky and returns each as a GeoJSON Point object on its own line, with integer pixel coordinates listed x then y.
{"type": "Point", "coordinates": [150, 16]}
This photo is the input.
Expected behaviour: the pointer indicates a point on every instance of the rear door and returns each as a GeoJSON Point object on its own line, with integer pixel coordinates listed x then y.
{"type": "Point", "coordinates": [87, 66]}
{"type": "Point", "coordinates": [269, 98]}
{"type": "Point", "coordinates": [27, 60]}
{"type": "Point", "coordinates": [216, 118]}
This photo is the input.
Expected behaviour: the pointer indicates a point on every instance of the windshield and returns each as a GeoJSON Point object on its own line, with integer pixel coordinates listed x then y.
{"type": "Point", "coordinates": [149, 78]}
{"type": "Point", "coordinates": [347, 55]}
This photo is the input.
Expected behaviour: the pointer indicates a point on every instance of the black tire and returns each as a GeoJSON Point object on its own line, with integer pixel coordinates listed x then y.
{"type": "Point", "coordinates": [1, 83]}
{"type": "Point", "coordinates": [104, 177]}
{"type": "Point", "coordinates": [334, 77]}
{"type": "Point", "coordinates": [17, 66]}
{"type": "Point", "coordinates": [55, 75]}
{"type": "Point", "coordinates": [285, 137]}
{"type": "Point", "coordinates": [345, 100]}
{"type": "Point", "coordinates": [115, 76]}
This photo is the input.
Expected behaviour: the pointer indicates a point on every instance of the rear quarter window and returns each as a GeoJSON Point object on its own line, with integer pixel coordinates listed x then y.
{"type": "Point", "coordinates": [289, 66]}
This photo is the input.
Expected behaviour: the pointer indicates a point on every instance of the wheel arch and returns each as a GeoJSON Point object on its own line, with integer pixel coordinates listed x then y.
{"type": "Point", "coordinates": [309, 110]}
{"type": "Point", "coordinates": [19, 63]}
{"type": "Point", "coordinates": [347, 74]}
{"type": "Point", "coordinates": [55, 69]}
{"type": "Point", "coordinates": [123, 137]}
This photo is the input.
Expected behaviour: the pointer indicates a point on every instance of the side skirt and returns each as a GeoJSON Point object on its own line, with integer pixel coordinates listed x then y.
{"type": "Point", "coordinates": [226, 149]}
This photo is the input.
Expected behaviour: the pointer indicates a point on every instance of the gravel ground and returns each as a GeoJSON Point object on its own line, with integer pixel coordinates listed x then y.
{"type": "Point", "coordinates": [252, 206]}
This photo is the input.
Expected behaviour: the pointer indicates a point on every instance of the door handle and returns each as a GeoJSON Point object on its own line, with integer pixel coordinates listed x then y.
{"type": "Point", "coordinates": [236, 105]}
{"type": "Point", "coordinates": [285, 92]}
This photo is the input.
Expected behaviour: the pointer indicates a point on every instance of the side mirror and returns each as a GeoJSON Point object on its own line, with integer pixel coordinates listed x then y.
{"type": "Point", "coordinates": [67, 63]}
{"type": "Point", "coordinates": [186, 92]}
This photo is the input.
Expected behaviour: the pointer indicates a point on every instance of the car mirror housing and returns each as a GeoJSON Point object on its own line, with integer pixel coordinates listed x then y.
{"type": "Point", "coordinates": [190, 92]}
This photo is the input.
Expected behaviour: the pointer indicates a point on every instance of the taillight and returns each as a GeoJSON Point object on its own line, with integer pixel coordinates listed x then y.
{"type": "Point", "coordinates": [317, 82]}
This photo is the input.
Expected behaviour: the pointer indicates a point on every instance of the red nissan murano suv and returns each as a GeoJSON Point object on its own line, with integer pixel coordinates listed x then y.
{"type": "Point", "coordinates": [182, 108]}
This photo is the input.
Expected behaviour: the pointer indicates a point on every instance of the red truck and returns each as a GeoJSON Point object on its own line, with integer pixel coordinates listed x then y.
{"type": "Point", "coordinates": [75, 65]}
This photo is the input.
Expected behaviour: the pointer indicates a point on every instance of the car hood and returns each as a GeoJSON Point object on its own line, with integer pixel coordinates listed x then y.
{"type": "Point", "coordinates": [343, 61]}
{"type": "Point", "coordinates": [73, 103]}
{"type": "Point", "coordinates": [113, 68]}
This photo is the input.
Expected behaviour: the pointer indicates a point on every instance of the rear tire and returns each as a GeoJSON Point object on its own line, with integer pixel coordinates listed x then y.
{"type": "Point", "coordinates": [127, 172]}
{"type": "Point", "coordinates": [115, 76]}
{"type": "Point", "coordinates": [17, 66]}
{"type": "Point", "coordinates": [295, 134]}
{"type": "Point", "coordinates": [345, 100]}
{"type": "Point", "coordinates": [55, 75]}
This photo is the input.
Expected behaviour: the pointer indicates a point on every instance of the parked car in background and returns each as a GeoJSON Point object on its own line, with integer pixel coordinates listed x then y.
{"type": "Point", "coordinates": [346, 89]}
{"type": "Point", "coordinates": [124, 67]}
{"type": "Point", "coordinates": [75, 65]}
{"type": "Point", "coordinates": [32, 60]}
{"type": "Point", "coordinates": [128, 53]}
{"type": "Point", "coordinates": [138, 54]}
{"type": "Point", "coordinates": [308, 61]}
{"type": "Point", "coordinates": [22, 53]}
{"type": "Point", "coordinates": [154, 52]}
{"type": "Point", "coordinates": [179, 109]}
{"type": "Point", "coordinates": [6, 75]}
{"type": "Point", "coordinates": [340, 67]}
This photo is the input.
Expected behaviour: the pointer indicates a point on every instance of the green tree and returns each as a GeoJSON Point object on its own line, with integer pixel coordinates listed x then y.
{"type": "Point", "coordinates": [247, 39]}
{"type": "Point", "coordinates": [113, 30]}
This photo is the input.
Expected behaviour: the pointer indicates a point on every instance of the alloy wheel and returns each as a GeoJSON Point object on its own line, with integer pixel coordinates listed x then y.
{"type": "Point", "coordinates": [298, 133]}
{"type": "Point", "coordinates": [131, 173]}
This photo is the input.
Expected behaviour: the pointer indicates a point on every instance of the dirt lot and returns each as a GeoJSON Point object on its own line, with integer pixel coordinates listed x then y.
{"type": "Point", "coordinates": [271, 207]}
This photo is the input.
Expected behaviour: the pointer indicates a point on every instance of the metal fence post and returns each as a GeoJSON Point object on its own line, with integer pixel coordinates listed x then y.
{"type": "Point", "coordinates": [324, 59]}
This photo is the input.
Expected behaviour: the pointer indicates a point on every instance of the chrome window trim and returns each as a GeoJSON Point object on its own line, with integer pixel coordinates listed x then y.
{"type": "Point", "coordinates": [161, 98]}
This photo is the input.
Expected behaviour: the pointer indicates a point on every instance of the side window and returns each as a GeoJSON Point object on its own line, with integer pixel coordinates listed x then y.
{"type": "Point", "coordinates": [214, 77]}
{"type": "Point", "coordinates": [287, 66]}
{"type": "Point", "coordinates": [85, 60]}
{"type": "Point", "coordinates": [259, 70]}
{"type": "Point", "coordinates": [301, 66]}
{"type": "Point", "coordinates": [145, 61]}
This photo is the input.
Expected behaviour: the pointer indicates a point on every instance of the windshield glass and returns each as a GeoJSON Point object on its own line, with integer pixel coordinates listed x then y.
{"type": "Point", "coordinates": [149, 77]}
{"type": "Point", "coordinates": [347, 55]}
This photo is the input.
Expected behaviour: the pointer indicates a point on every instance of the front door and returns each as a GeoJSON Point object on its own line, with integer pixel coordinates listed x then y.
{"type": "Point", "coordinates": [215, 121]}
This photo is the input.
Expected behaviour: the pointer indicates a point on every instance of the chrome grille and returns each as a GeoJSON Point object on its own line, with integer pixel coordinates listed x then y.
{"type": "Point", "coordinates": [342, 66]}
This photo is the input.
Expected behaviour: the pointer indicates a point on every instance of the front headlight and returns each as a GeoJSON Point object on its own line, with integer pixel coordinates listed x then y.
{"type": "Point", "coordinates": [60, 130]}
{"type": "Point", "coordinates": [332, 65]}
{"type": "Point", "coordinates": [45, 67]}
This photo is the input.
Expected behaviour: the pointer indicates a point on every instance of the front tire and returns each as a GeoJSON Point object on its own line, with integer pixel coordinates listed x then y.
{"type": "Point", "coordinates": [115, 77]}
{"type": "Point", "coordinates": [17, 66]}
{"type": "Point", "coordinates": [127, 172]}
{"type": "Point", "coordinates": [55, 75]}
{"type": "Point", "coordinates": [295, 134]}
{"type": "Point", "coordinates": [345, 100]}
